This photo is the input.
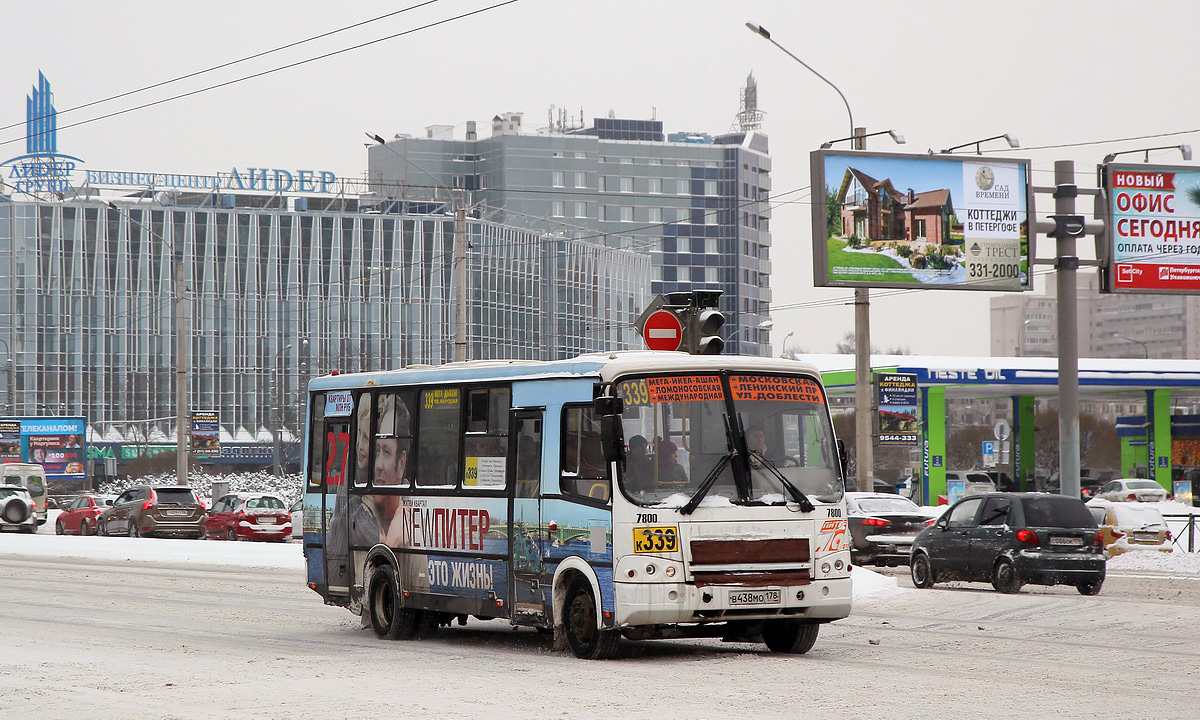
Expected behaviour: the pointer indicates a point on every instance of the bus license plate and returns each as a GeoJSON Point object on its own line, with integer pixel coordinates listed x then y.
{"type": "Point", "coordinates": [755, 597]}
{"type": "Point", "coordinates": [655, 539]}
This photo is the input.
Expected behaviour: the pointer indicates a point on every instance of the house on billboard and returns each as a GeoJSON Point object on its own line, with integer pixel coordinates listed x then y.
{"type": "Point", "coordinates": [875, 211]}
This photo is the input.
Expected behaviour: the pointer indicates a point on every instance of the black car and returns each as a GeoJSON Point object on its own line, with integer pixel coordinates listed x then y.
{"type": "Point", "coordinates": [882, 527]}
{"type": "Point", "coordinates": [1012, 539]}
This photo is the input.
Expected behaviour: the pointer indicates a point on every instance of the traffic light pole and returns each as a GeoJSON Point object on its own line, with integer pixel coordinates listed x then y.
{"type": "Point", "coordinates": [864, 440]}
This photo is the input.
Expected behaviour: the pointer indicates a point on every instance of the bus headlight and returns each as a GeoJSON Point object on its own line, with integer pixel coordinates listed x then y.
{"type": "Point", "coordinates": [825, 568]}
{"type": "Point", "coordinates": [670, 571]}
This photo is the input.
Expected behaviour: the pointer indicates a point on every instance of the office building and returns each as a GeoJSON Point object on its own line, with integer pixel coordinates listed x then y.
{"type": "Point", "coordinates": [697, 204]}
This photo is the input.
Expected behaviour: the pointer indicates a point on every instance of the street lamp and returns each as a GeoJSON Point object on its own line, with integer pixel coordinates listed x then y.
{"type": "Point", "coordinates": [895, 136]}
{"type": "Point", "coordinates": [1186, 150]}
{"type": "Point", "coordinates": [277, 412]}
{"type": "Point", "coordinates": [784, 354]}
{"type": "Point", "coordinates": [863, 429]}
{"type": "Point", "coordinates": [8, 374]}
{"type": "Point", "coordinates": [1012, 143]}
{"type": "Point", "coordinates": [1145, 347]}
{"type": "Point", "coordinates": [764, 325]}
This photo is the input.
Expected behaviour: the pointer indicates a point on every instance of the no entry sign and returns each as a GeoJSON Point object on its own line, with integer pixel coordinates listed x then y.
{"type": "Point", "coordinates": [663, 331]}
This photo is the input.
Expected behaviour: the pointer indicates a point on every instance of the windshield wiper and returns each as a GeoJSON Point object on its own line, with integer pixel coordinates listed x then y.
{"type": "Point", "coordinates": [797, 495]}
{"type": "Point", "coordinates": [711, 479]}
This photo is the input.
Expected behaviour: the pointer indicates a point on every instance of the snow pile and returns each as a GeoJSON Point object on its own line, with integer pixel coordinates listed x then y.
{"type": "Point", "coordinates": [1178, 563]}
{"type": "Point", "coordinates": [868, 583]}
{"type": "Point", "coordinates": [210, 553]}
{"type": "Point", "coordinates": [289, 487]}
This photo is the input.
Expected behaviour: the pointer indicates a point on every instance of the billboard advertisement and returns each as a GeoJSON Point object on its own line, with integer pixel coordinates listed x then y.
{"type": "Point", "coordinates": [206, 434]}
{"type": "Point", "coordinates": [55, 443]}
{"type": "Point", "coordinates": [899, 423]}
{"type": "Point", "coordinates": [1153, 220]}
{"type": "Point", "coordinates": [921, 221]}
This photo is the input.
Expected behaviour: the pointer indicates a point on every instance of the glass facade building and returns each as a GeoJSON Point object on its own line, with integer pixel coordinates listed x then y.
{"type": "Point", "coordinates": [277, 289]}
{"type": "Point", "coordinates": [697, 205]}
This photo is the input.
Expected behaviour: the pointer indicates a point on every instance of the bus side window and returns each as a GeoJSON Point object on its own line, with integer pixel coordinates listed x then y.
{"type": "Point", "coordinates": [316, 442]}
{"type": "Point", "coordinates": [529, 457]}
{"type": "Point", "coordinates": [584, 472]}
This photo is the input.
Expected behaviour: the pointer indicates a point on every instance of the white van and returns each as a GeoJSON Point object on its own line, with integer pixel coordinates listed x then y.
{"type": "Point", "coordinates": [32, 477]}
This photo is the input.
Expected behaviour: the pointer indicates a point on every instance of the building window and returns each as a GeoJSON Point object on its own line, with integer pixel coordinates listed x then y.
{"type": "Point", "coordinates": [712, 245]}
{"type": "Point", "coordinates": [710, 275]}
{"type": "Point", "coordinates": [626, 213]}
{"type": "Point", "coordinates": [581, 210]}
{"type": "Point", "coordinates": [685, 187]}
{"type": "Point", "coordinates": [607, 184]}
{"type": "Point", "coordinates": [626, 184]}
{"type": "Point", "coordinates": [656, 214]}
{"type": "Point", "coordinates": [556, 178]}
{"type": "Point", "coordinates": [656, 186]}
{"type": "Point", "coordinates": [580, 179]}
{"type": "Point", "coordinates": [710, 187]}
{"type": "Point", "coordinates": [557, 208]}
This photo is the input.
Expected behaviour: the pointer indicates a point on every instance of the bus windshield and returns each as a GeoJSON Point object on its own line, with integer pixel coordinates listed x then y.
{"type": "Point", "coordinates": [680, 429]}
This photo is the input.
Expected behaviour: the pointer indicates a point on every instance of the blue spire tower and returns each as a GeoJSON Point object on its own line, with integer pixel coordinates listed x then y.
{"type": "Point", "coordinates": [41, 121]}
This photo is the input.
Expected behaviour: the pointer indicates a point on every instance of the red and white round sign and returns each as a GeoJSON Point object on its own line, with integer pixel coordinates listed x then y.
{"type": "Point", "coordinates": [663, 331]}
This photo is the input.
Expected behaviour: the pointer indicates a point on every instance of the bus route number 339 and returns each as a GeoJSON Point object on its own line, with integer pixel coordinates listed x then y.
{"type": "Point", "coordinates": [655, 539]}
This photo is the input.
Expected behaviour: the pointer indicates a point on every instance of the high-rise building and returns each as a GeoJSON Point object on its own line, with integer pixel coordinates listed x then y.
{"type": "Point", "coordinates": [1110, 325]}
{"type": "Point", "coordinates": [697, 204]}
{"type": "Point", "coordinates": [278, 289]}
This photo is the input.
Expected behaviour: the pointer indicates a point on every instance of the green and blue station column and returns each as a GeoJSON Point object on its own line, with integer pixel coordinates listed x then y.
{"type": "Point", "coordinates": [1158, 436]}
{"type": "Point", "coordinates": [933, 451]}
{"type": "Point", "coordinates": [1024, 447]}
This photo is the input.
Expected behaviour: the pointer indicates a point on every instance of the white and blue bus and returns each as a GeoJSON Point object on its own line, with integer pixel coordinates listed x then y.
{"type": "Point", "coordinates": [635, 494]}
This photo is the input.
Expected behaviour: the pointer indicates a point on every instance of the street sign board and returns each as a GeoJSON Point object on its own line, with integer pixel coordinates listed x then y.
{"type": "Point", "coordinates": [989, 453]}
{"type": "Point", "coordinates": [1153, 220]}
{"type": "Point", "coordinates": [1002, 429]}
{"type": "Point", "coordinates": [662, 331]}
{"type": "Point", "coordinates": [921, 221]}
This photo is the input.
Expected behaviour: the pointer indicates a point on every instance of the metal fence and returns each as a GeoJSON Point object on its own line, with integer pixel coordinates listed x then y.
{"type": "Point", "coordinates": [1183, 532]}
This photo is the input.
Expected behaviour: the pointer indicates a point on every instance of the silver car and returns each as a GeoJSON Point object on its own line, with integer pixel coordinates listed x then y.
{"type": "Point", "coordinates": [16, 509]}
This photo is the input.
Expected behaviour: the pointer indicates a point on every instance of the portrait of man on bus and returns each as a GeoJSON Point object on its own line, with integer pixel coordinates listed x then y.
{"type": "Point", "coordinates": [371, 515]}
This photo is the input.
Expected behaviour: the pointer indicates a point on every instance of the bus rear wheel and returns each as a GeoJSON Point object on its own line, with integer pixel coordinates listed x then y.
{"type": "Point", "coordinates": [794, 637]}
{"type": "Point", "coordinates": [389, 620]}
{"type": "Point", "coordinates": [587, 640]}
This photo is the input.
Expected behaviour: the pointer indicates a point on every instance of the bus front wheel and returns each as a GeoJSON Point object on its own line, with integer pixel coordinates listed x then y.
{"type": "Point", "coordinates": [586, 639]}
{"type": "Point", "coordinates": [794, 637]}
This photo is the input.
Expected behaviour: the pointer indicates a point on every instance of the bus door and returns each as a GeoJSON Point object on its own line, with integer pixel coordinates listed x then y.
{"type": "Point", "coordinates": [525, 532]}
{"type": "Point", "coordinates": [334, 516]}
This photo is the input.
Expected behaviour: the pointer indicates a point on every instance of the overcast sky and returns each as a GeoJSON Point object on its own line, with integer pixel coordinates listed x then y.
{"type": "Point", "coordinates": [940, 73]}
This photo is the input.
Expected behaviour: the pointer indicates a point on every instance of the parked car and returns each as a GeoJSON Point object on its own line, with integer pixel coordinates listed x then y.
{"type": "Point", "coordinates": [32, 477]}
{"type": "Point", "coordinates": [252, 516]}
{"type": "Point", "coordinates": [297, 513]}
{"type": "Point", "coordinates": [882, 527]}
{"type": "Point", "coordinates": [79, 516]}
{"type": "Point", "coordinates": [1012, 539]}
{"type": "Point", "coordinates": [143, 511]}
{"type": "Point", "coordinates": [16, 509]}
{"type": "Point", "coordinates": [1002, 481]}
{"type": "Point", "coordinates": [1132, 490]}
{"type": "Point", "coordinates": [1089, 484]}
{"type": "Point", "coordinates": [975, 482]}
{"type": "Point", "coordinates": [1130, 526]}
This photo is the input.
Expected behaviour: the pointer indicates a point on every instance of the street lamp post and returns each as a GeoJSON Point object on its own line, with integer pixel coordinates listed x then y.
{"type": "Point", "coordinates": [764, 325]}
{"type": "Point", "coordinates": [1145, 346]}
{"type": "Point", "coordinates": [784, 354]}
{"type": "Point", "coordinates": [277, 412]}
{"type": "Point", "coordinates": [8, 378]}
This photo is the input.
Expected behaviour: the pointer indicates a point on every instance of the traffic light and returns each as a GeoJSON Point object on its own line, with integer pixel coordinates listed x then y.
{"type": "Point", "coordinates": [704, 324]}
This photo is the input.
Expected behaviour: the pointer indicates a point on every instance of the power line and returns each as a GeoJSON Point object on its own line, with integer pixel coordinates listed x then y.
{"type": "Point", "coordinates": [229, 63]}
{"type": "Point", "coordinates": [275, 69]}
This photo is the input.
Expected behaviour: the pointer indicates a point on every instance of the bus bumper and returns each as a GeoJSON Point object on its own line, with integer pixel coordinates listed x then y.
{"type": "Point", "coordinates": [643, 603]}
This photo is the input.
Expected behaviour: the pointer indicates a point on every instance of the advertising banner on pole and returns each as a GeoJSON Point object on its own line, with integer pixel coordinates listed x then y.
{"type": "Point", "coordinates": [1153, 220]}
{"type": "Point", "coordinates": [10, 441]}
{"type": "Point", "coordinates": [897, 401]}
{"type": "Point", "coordinates": [206, 434]}
{"type": "Point", "coordinates": [929, 221]}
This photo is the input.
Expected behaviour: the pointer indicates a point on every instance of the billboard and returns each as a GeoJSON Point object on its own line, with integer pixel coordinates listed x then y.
{"type": "Point", "coordinates": [921, 221]}
{"type": "Point", "coordinates": [55, 443]}
{"type": "Point", "coordinates": [896, 396]}
{"type": "Point", "coordinates": [1153, 220]}
{"type": "Point", "coordinates": [206, 434]}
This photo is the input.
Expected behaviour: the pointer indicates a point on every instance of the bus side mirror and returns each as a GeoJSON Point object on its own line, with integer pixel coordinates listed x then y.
{"type": "Point", "coordinates": [607, 405]}
{"type": "Point", "coordinates": [841, 449]}
{"type": "Point", "coordinates": [611, 437]}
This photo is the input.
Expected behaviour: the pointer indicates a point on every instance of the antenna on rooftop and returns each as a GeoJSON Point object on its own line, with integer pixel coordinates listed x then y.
{"type": "Point", "coordinates": [749, 117]}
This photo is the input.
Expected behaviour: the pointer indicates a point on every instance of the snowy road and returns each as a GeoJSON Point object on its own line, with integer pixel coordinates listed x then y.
{"type": "Point", "coordinates": [110, 637]}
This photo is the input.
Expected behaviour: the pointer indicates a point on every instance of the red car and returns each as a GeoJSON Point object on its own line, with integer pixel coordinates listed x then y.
{"type": "Point", "coordinates": [253, 516]}
{"type": "Point", "coordinates": [78, 516]}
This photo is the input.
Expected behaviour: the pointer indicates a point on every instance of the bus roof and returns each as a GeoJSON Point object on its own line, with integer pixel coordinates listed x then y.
{"type": "Point", "coordinates": [602, 365]}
